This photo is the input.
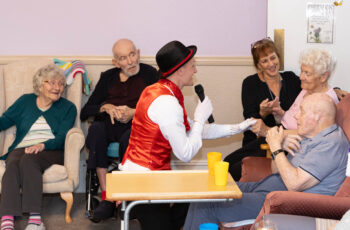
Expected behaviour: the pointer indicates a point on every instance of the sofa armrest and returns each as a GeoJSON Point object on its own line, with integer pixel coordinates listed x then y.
{"type": "Point", "coordinates": [255, 169]}
{"type": "Point", "coordinates": [73, 144]}
{"type": "Point", "coordinates": [305, 204]}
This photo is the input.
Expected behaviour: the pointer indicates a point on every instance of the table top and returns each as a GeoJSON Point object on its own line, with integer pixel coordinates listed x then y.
{"type": "Point", "coordinates": [168, 185]}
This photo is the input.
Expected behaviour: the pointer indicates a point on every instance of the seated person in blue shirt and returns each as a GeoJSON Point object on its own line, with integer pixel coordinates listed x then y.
{"type": "Point", "coordinates": [316, 165]}
{"type": "Point", "coordinates": [42, 120]}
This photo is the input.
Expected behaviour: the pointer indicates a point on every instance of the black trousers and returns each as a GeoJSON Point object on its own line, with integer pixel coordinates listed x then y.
{"type": "Point", "coordinates": [160, 216]}
{"type": "Point", "coordinates": [100, 134]}
{"type": "Point", "coordinates": [235, 159]}
{"type": "Point", "coordinates": [24, 175]}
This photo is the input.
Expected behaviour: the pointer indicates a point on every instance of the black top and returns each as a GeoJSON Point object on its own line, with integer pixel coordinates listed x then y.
{"type": "Point", "coordinates": [127, 92]}
{"type": "Point", "coordinates": [109, 79]}
{"type": "Point", "coordinates": [254, 91]}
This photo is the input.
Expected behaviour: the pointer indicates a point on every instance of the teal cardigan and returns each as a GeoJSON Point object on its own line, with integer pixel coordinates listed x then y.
{"type": "Point", "coordinates": [24, 112]}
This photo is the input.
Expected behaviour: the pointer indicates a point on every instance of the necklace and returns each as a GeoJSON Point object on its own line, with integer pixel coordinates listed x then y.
{"type": "Point", "coordinates": [279, 86]}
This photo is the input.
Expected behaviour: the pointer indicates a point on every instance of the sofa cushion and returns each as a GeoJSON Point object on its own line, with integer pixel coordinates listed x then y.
{"type": "Point", "coordinates": [255, 169]}
{"type": "Point", "coordinates": [2, 169]}
{"type": "Point", "coordinates": [55, 173]}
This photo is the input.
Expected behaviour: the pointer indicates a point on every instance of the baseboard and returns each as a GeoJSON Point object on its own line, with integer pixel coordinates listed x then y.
{"type": "Point", "coordinates": [107, 60]}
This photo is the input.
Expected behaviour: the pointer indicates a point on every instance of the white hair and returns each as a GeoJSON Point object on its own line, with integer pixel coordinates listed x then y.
{"type": "Point", "coordinates": [47, 72]}
{"type": "Point", "coordinates": [319, 59]}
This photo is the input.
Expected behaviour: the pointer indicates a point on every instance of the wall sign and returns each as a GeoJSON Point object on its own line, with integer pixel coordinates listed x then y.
{"type": "Point", "coordinates": [320, 17]}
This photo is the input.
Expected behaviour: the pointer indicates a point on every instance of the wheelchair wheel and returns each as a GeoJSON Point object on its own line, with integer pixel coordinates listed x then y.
{"type": "Point", "coordinates": [92, 203]}
{"type": "Point", "coordinates": [91, 197]}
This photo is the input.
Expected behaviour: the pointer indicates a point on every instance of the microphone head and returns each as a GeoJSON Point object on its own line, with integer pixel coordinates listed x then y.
{"type": "Point", "coordinates": [199, 89]}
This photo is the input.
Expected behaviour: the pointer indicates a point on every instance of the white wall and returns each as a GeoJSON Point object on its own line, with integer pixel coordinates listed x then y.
{"type": "Point", "coordinates": [86, 30]}
{"type": "Point", "coordinates": [291, 16]}
{"type": "Point", "coordinates": [80, 27]}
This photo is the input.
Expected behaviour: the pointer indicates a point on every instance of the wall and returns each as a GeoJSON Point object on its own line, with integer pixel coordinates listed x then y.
{"type": "Point", "coordinates": [85, 30]}
{"type": "Point", "coordinates": [78, 27]}
{"type": "Point", "coordinates": [291, 16]}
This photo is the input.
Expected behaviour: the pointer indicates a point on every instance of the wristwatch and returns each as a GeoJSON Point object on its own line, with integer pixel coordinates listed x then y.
{"type": "Point", "coordinates": [275, 153]}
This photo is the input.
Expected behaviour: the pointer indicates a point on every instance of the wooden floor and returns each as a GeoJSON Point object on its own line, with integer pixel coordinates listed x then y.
{"type": "Point", "coordinates": [53, 216]}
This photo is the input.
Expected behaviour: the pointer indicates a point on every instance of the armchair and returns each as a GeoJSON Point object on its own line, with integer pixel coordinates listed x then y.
{"type": "Point", "coordinates": [256, 168]}
{"type": "Point", "coordinates": [15, 80]}
{"type": "Point", "coordinates": [299, 203]}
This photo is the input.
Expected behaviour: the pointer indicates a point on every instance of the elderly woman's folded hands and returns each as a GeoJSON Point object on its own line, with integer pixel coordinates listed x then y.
{"type": "Point", "coordinates": [34, 149]}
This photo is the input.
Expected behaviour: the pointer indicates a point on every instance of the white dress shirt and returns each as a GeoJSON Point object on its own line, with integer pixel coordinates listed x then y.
{"type": "Point", "coordinates": [167, 113]}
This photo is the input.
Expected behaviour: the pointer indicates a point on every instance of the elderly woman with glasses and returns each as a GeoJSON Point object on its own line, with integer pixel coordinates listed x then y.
{"type": "Point", "coordinates": [42, 120]}
{"type": "Point", "coordinates": [261, 92]}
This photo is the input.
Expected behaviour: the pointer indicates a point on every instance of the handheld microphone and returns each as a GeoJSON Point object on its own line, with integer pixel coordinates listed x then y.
{"type": "Point", "coordinates": [200, 92]}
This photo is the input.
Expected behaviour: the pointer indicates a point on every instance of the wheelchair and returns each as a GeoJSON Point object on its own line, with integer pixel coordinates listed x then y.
{"type": "Point", "coordinates": [92, 184]}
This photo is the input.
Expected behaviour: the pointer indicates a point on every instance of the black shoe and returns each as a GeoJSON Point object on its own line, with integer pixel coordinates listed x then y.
{"type": "Point", "coordinates": [104, 211]}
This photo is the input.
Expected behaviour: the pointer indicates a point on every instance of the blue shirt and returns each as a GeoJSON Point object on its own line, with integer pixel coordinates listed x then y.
{"type": "Point", "coordinates": [324, 156]}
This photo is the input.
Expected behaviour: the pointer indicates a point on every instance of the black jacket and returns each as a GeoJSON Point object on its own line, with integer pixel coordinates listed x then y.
{"type": "Point", "coordinates": [107, 79]}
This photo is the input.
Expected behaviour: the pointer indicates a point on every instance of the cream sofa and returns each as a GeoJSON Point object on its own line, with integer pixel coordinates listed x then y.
{"type": "Point", "coordinates": [16, 80]}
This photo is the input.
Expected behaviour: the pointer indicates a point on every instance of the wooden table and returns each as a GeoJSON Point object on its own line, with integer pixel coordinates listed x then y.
{"type": "Point", "coordinates": [167, 186]}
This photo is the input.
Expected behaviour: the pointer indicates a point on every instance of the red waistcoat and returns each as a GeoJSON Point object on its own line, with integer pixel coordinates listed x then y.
{"type": "Point", "coordinates": [147, 145]}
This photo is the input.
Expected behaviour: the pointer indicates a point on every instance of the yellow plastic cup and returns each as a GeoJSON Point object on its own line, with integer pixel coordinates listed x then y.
{"type": "Point", "coordinates": [221, 172]}
{"type": "Point", "coordinates": [212, 158]}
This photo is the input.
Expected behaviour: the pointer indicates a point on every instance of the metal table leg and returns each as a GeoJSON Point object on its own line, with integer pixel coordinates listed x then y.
{"type": "Point", "coordinates": [123, 210]}
{"type": "Point", "coordinates": [132, 204]}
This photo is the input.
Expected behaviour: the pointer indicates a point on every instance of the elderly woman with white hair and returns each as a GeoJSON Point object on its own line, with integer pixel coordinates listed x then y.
{"type": "Point", "coordinates": [317, 65]}
{"type": "Point", "coordinates": [42, 120]}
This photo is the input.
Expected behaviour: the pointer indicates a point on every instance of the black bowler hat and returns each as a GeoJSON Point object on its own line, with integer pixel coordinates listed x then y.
{"type": "Point", "coordinates": [172, 56]}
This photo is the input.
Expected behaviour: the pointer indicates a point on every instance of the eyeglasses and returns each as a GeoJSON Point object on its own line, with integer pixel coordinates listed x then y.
{"type": "Point", "coordinates": [258, 43]}
{"type": "Point", "coordinates": [53, 83]}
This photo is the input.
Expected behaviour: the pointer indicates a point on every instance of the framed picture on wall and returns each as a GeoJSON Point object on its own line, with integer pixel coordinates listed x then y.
{"type": "Point", "coordinates": [320, 26]}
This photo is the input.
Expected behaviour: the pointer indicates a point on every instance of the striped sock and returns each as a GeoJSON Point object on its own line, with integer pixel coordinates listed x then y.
{"type": "Point", "coordinates": [34, 218]}
{"type": "Point", "coordinates": [7, 223]}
